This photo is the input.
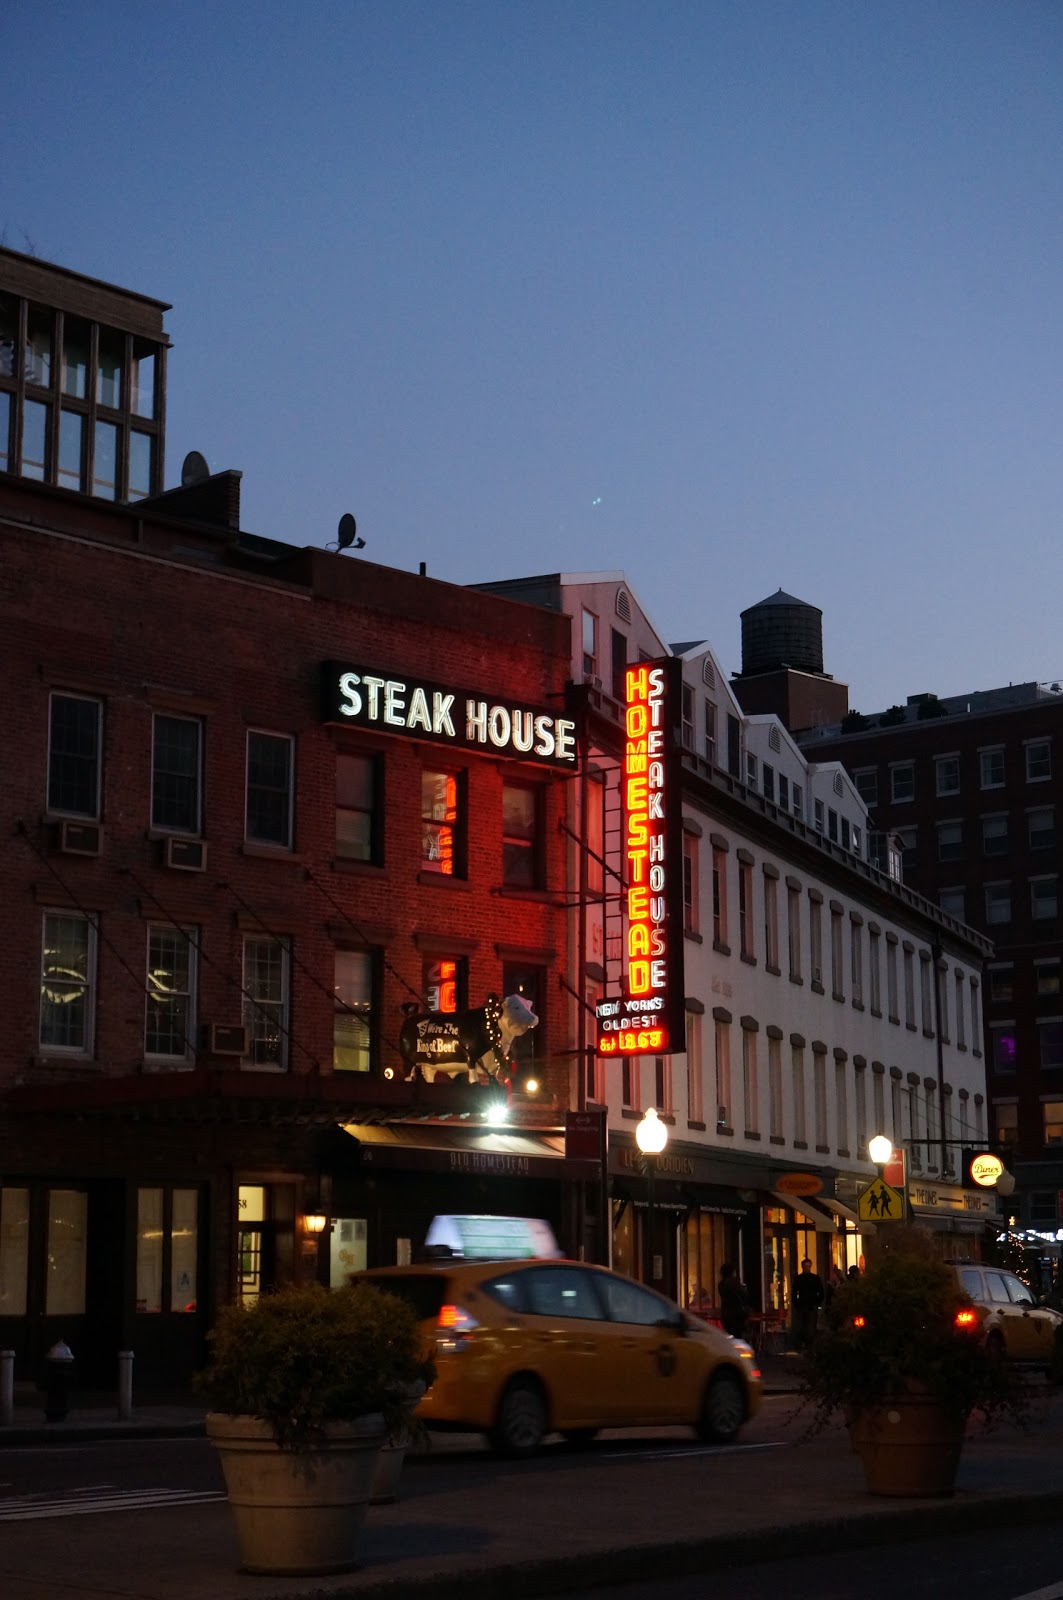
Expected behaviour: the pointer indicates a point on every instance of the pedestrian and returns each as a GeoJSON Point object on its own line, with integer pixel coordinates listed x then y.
{"type": "Point", "coordinates": [853, 1273]}
{"type": "Point", "coordinates": [807, 1300]}
{"type": "Point", "coordinates": [733, 1297]}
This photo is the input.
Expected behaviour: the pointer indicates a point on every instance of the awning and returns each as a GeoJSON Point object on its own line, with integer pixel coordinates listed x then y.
{"type": "Point", "coordinates": [484, 1152]}
{"type": "Point", "coordinates": [845, 1213]}
{"type": "Point", "coordinates": [808, 1209]}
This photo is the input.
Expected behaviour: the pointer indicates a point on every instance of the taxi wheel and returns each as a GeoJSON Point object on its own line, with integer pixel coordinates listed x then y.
{"type": "Point", "coordinates": [521, 1421]}
{"type": "Point", "coordinates": [723, 1410]}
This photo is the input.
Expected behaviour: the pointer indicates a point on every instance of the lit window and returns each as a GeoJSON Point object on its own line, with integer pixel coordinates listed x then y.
{"type": "Point", "coordinates": [353, 986]}
{"type": "Point", "coordinates": [590, 644]}
{"type": "Point", "coordinates": [68, 979]}
{"type": "Point", "coordinates": [442, 834]}
{"type": "Point", "coordinates": [1052, 1112]}
{"type": "Point", "coordinates": [1002, 1046]}
{"type": "Point", "coordinates": [170, 1012]}
{"type": "Point", "coordinates": [266, 996]}
{"type": "Point", "coordinates": [1006, 1118]}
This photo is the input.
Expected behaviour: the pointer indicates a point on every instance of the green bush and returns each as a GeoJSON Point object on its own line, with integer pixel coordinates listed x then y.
{"type": "Point", "coordinates": [306, 1355]}
{"type": "Point", "coordinates": [893, 1331]}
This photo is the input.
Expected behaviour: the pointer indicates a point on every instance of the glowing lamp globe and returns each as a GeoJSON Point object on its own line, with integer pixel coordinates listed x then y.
{"type": "Point", "coordinates": [880, 1149]}
{"type": "Point", "coordinates": [651, 1134]}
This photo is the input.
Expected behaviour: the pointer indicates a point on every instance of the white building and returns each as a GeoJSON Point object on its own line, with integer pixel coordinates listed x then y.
{"type": "Point", "coordinates": [824, 1001]}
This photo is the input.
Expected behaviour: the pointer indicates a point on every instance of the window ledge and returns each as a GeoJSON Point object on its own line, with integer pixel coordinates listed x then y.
{"type": "Point", "coordinates": [776, 1138]}
{"type": "Point", "coordinates": [699, 1125]}
{"type": "Point", "coordinates": [823, 1149]}
{"type": "Point", "coordinates": [751, 1133]}
{"type": "Point", "coordinates": [542, 896]}
{"type": "Point", "coordinates": [776, 972]}
{"type": "Point", "coordinates": [725, 1132]}
{"type": "Point", "coordinates": [911, 1027]}
{"type": "Point", "coordinates": [858, 1005]}
{"type": "Point", "coordinates": [817, 987]}
{"type": "Point", "coordinates": [721, 948]}
{"type": "Point", "coordinates": [875, 1012]}
{"type": "Point", "coordinates": [836, 994]}
{"type": "Point", "coordinates": [348, 864]}
{"type": "Point", "coordinates": [962, 1047]}
{"type": "Point", "coordinates": [442, 880]}
{"type": "Point", "coordinates": [693, 935]}
{"type": "Point", "coordinates": [271, 852]}
{"type": "Point", "coordinates": [80, 1063]}
{"type": "Point", "coordinates": [795, 977]}
{"type": "Point", "coordinates": [750, 961]}
{"type": "Point", "coordinates": [800, 1144]}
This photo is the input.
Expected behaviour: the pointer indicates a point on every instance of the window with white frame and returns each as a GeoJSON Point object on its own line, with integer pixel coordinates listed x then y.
{"type": "Point", "coordinates": [998, 902]}
{"type": "Point", "coordinates": [941, 978]}
{"type": "Point", "coordinates": [724, 1116]}
{"type": "Point", "coordinates": [74, 747]}
{"type": "Point", "coordinates": [818, 815]}
{"type": "Point", "coordinates": [710, 732]}
{"type": "Point", "coordinates": [774, 1087]}
{"type": "Point", "coordinates": [995, 834]}
{"type": "Point", "coordinates": [630, 1085]}
{"type": "Point", "coordinates": [169, 1020]}
{"type": "Point", "coordinates": [176, 766]}
{"type": "Point", "coordinates": [1043, 897]}
{"type": "Point", "coordinates": [991, 767]}
{"type": "Point", "coordinates": [958, 1007]}
{"type": "Point", "coordinates": [767, 775]}
{"type": "Point", "coordinates": [590, 644]}
{"type": "Point", "coordinates": [687, 729]}
{"type": "Point", "coordinates": [1041, 828]}
{"type": "Point", "coordinates": [832, 825]}
{"type": "Point", "coordinates": [797, 1078]}
{"type": "Point", "coordinates": [270, 768]}
{"type": "Point", "coordinates": [690, 883]}
{"type": "Point", "coordinates": [750, 1084]}
{"type": "Point", "coordinates": [266, 986]}
{"type": "Point", "coordinates": [751, 770]}
{"type": "Point", "coordinates": [68, 983]}
{"type": "Point", "coordinates": [950, 841]}
{"type": "Point", "coordinates": [946, 774]}
{"type": "Point", "coordinates": [1038, 760]}
{"type": "Point", "coordinates": [784, 792]}
{"type": "Point", "coordinates": [695, 1089]}
{"type": "Point", "coordinates": [798, 797]}
{"type": "Point", "coordinates": [976, 1018]}
{"type": "Point", "coordinates": [662, 1084]}
{"type": "Point", "coordinates": [902, 781]}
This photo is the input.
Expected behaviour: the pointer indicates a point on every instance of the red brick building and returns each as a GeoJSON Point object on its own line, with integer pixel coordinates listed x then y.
{"type": "Point", "coordinates": [257, 799]}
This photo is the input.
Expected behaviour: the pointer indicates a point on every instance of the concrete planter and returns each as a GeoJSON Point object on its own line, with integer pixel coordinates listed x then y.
{"type": "Point", "coordinates": [297, 1512]}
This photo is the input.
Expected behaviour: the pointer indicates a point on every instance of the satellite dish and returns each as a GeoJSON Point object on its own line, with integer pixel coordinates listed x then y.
{"type": "Point", "coordinates": [194, 469]}
{"type": "Point", "coordinates": [347, 536]}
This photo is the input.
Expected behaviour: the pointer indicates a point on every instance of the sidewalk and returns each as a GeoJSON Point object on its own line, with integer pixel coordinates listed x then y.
{"type": "Point", "coordinates": [563, 1522]}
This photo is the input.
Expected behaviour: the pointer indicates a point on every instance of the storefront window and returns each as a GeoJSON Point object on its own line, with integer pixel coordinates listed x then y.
{"type": "Point", "coordinates": [149, 1250]}
{"type": "Point", "coordinates": [65, 1283]}
{"type": "Point", "coordinates": [184, 1249]}
{"type": "Point", "coordinates": [14, 1251]}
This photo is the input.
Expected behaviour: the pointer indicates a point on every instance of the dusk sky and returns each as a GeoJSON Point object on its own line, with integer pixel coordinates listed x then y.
{"type": "Point", "coordinates": [731, 295]}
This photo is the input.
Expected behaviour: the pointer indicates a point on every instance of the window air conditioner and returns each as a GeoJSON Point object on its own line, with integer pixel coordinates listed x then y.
{"type": "Point", "coordinates": [186, 855]}
{"type": "Point", "coordinates": [80, 838]}
{"type": "Point", "coordinates": [226, 1039]}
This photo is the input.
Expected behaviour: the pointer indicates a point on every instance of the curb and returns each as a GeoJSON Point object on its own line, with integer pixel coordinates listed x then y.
{"type": "Point", "coordinates": [523, 1580]}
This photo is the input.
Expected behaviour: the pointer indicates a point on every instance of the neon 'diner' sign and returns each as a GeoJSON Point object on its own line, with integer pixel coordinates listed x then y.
{"type": "Point", "coordinates": [648, 1019]}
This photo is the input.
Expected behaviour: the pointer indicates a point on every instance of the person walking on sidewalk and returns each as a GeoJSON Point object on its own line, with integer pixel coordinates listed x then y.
{"type": "Point", "coordinates": [808, 1298]}
{"type": "Point", "coordinates": [734, 1302]}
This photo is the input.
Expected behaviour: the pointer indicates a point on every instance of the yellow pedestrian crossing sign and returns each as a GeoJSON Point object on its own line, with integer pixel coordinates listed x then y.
{"type": "Point", "coordinates": [879, 1203]}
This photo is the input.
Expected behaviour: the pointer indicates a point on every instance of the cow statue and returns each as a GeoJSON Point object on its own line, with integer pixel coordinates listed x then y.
{"type": "Point", "coordinates": [476, 1042]}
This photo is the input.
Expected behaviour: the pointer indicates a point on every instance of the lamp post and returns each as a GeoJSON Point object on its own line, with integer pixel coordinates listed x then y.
{"type": "Point", "coordinates": [880, 1148]}
{"type": "Point", "coordinates": [651, 1136]}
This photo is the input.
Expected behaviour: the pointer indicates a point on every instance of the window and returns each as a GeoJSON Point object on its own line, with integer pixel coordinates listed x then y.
{"type": "Point", "coordinates": [140, 464]}
{"type": "Point", "coordinates": [353, 989]}
{"type": "Point", "coordinates": [74, 756]}
{"type": "Point", "coordinates": [995, 835]}
{"type": "Point", "coordinates": [946, 775]}
{"type": "Point", "coordinates": [815, 940]}
{"type": "Point", "coordinates": [1044, 1207]}
{"type": "Point", "coordinates": [68, 981]}
{"type": "Point", "coordinates": [976, 1018]}
{"type": "Point", "coordinates": [358, 808]}
{"type": "Point", "coordinates": [142, 379]}
{"type": "Point", "coordinates": [793, 929]}
{"type": "Point", "coordinates": [950, 841]}
{"type": "Point", "coordinates": [847, 834]}
{"type": "Point", "coordinates": [837, 968]}
{"type": "Point", "coordinates": [269, 789]}
{"type": "Point", "coordinates": [14, 1245]}
{"type": "Point", "coordinates": [64, 1293]}
{"type": "Point", "coordinates": [961, 1040]}
{"type": "Point", "coordinates": [690, 883]}
{"type": "Point", "coordinates": [1043, 898]}
{"type": "Point", "coordinates": [719, 896]}
{"type": "Point", "coordinates": [36, 428]}
{"type": "Point", "coordinates": [176, 747]}
{"type": "Point", "coordinates": [71, 450]}
{"type": "Point", "coordinates": [817, 814]}
{"type": "Point", "coordinates": [991, 766]}
{"type": "Point", "coordinates": [75, 358]}
{"type": "Point", "coordinates": [1046, 977]}
{"type": "Point", "coordinates": [109, 368]}
{"type": "Point", "coordinates": [723, 1074]}
{"type": "Point", "coordinates": [5, 431]}
{"type": "Point", "coordinates": [819, 1096]}
{"type": "Point", "coordinates": [1050, 1041]}
{"type": "Point", "coordinates": [797, 1073]}
{"type": "Point", "coordinates": [998, 902]}
{"type": "Point", "coordinates": [442, 823]}
{"type": "Point", "coordinates": [734, 745]}
{"type": "Point", "coordinates": [841, 1101]}
{"type": "Point", "coordinates": [902, 781]}
{"type": "Point", "coordinates": [1002, 1053]}
{"type": "Point", "coordinates": [774, 1087]}
{"type": "Point", "coordinates": [105, 461]}
{"type": "Point", "coordinates": [750, 1087]}
{"type": "Point", "coordinates": [521, 836]}
{"type": "Point", "coordinates": [856, 953]}
{"type": "Point", "coordinates": [745, 909]}
{"type": "Point", "coordinates": [687, 730]}
{"type": "Point", "coordinates": [710, 732]}
{"type": "Point", "coordinates": [266, 986]}
{"type": "Point", "coordinates": [662, 1084]}
{"type": "Point", "coordinates": [891, 981]}
{"type": "Point", "coordinates": [784, 792]}
{"type": "Point", "coordinates": [799, 800]}
{"type": "Point", "coordinates": [751, 770]}
{"type": "Point", "coordinates": [37, 359]}
{"type": "Point", "coordinates": [169, 1023]}
{"type": "Point", "coordinates": [695, 1093]}
{"type": "Point", "coordinates": [866, 780]}
{"type": "Point", "coordinates": [1041, 826]}
{"type": "Point", "coordinates": [1052, 1113]}
{"type": "Point", "coordinates": [954, 903]}
{"type": "Point", "coordinates": [832, 825]}
{"type": "Point", "coordinates": [909, 989]}
{"type": "Point", "coordinates": [594, 834]}
{"type": "Point", "coordinates": [590, 644]}
{"type": "Point", "coordinates": [768, 782]}
{"type": "Point", "coordinates": [1006, 1117]}
{"type": "Point", "coordinates": [167, 1251]}
{"type": "Point", "coordinates": [909, 842]}
{"type": "Point", "coordinates": [529, 982]}
{"type": "Point", "coordinates": [925, 994]}
{"type": "Point", "coordinates": [874, 970]}
{"type": "Point", "coordinates": [1038, 760]}
{"type": "Point", "coordinates": [1001, 983]}
{"type": "Point", "coordinates": [771, 923]}
{"type": "Point", "coordinates": [619, 662]}
{"type": "Point", "coordinates": [444, 983]}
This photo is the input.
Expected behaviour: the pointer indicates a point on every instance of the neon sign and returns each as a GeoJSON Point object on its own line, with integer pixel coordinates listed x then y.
{"type": "Point", "coordinates": [649, 1018]}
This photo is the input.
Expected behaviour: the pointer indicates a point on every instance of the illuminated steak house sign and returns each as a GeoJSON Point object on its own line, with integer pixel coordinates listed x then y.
{"type": "Point", "coordinates": [649, 1018]}
{"type": "Point", "coordinates": [462, 718]}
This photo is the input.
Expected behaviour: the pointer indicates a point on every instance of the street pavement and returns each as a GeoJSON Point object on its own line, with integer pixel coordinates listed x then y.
{"type": "Point", "coordinates": [634, 1507]}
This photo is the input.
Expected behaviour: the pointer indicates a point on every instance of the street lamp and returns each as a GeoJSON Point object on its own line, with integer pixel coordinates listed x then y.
{"type": "Point", "coordinates": [880, 1148]}
{"type": "Point", "coordinates": [651, 1136]}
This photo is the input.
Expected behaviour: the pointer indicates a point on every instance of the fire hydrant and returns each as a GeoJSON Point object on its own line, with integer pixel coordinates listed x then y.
{"type": "Point", "coordinates": [58, 1381]}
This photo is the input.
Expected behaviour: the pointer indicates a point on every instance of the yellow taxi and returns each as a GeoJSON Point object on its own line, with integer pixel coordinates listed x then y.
{"type": "Point", "coordinates": [1015, 1324]}
{"type": "Point", "coordinates": [532, 1347]}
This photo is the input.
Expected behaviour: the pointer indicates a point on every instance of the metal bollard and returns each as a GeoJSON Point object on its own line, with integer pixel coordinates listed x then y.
{"type": "Point", "coordinates": [7, 1388]}
{"type": "Point", "coordinates": [125, 1385]}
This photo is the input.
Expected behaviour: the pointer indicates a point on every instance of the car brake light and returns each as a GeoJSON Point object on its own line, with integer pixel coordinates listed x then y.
{"type": "Point", "coordinates": [966, 1319]}
{"type": "Point", "coordinates": [454, 1327]}
{"type": "Point", "coordinates": [859, 1322]}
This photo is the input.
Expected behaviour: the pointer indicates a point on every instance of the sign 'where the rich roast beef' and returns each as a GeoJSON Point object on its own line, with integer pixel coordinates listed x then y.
{"type": "Point", "coordinates": [358, 697]}
{"type": "Point", "coordinates": [649, 1017]}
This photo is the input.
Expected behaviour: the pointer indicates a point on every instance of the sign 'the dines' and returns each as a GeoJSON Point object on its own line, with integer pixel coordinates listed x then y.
{"type": "Point", "coordinates": [649, 1018]}
{"type": "Point", "coordinates": [357, 697]}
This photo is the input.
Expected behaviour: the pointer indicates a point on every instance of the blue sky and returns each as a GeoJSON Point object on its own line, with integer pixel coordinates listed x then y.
{"type": "Point", "coordinates": [731, 294]}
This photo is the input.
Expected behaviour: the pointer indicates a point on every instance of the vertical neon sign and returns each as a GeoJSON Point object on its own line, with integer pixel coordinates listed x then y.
{"type": "Point", "coordinates": [649, 1018]}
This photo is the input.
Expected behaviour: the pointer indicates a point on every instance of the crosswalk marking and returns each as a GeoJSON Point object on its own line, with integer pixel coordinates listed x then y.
{"type": "Point", "coordinates": [671, 1454]}
{"type": "Point", "coordinates": [98, 1498]}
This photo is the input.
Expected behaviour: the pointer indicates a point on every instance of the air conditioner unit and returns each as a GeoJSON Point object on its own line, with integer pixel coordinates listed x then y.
{"type": "Point", "coordinates": [226, 1039]}
{"type": "Point", "coordinates": [80, 838]}
{"type": "Point", "coordinates": [186, 855]}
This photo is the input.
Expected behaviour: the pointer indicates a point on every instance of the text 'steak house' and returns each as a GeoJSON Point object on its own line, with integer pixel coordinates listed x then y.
{"type": "Point", "coordinates": [256, 799]}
